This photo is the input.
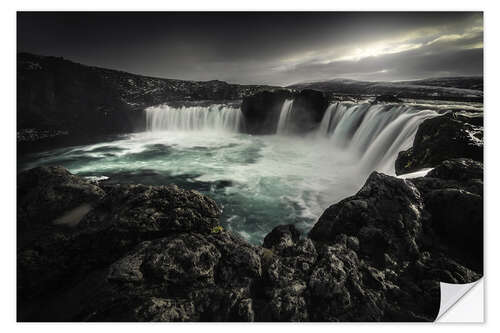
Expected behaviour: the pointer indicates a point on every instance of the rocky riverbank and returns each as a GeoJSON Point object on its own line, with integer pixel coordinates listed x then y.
{"type": "Point", "coordinates": [455, 134]}
{"type": "Point", "coordinates": [157, 253]}
{"type": "Point", "coordinates": [93, 252]}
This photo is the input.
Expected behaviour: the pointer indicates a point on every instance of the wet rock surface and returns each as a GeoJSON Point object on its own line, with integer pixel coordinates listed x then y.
{"type": "Point", "coordinates": [45, 194]}
{"type": "Point", "coordinates": [262, 110]}
{"type": "Point", "coordinates": [406, 245]}
{"type": "Point", "coordinates": [51, 255]}
{"type": "Point", "coordinates": [308, 109]}
{"type": "Point", "coordinates": [453, 195]}
{"type": "Point", "coordinates": [452, 135]}
{"type": "Point", "coordinates": [157, 253]}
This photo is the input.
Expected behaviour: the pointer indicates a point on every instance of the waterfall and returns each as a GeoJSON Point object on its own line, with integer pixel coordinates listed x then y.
{"type": "Point", "coordinates": [284, 120]}
{"type": "Point", "coordinates": [374, 133]}
{"type": "Point", "coordinates": [216, 117]}
{"type": "Point", "coordinates": [326, 122]}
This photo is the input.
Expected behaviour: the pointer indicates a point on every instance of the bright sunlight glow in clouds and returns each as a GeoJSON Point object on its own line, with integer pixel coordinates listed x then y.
{"type": "Point", "coordinates": [264, 48]}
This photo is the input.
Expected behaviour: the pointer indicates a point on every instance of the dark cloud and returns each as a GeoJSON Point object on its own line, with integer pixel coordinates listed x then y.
{"type": "Point", "coordinates": [275, 48]}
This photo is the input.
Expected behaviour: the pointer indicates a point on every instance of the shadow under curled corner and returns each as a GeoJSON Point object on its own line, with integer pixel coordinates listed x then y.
{"type": "Point", "coordinates": [461, 303]}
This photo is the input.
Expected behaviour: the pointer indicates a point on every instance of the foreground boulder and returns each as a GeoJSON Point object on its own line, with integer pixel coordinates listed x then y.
{"type": "Point", "coordinates": [453, 135]}
{"type": "Point", "coordinates": [453, 196]}
{"type": "Point", "coordinates": [157, 253]}
{"type": "Point", "coordinates": [282, 236]}
{"type": "Point", "coordinates": [115, 220]}
{"type": "Point", "coordinates": [384, 215]}
{"type": "Point", "coordinates": [399, 233]}
{"type": "Point", "coordinates": [50, 196]}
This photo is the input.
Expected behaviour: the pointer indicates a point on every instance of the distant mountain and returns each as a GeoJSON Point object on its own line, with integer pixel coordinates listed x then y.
{"type": "Point", "coordinates": [461, 82]}
{"type": "Point", "coordinates": [58, 94]}
{"type": "Point", "coordinates": [456, 88]}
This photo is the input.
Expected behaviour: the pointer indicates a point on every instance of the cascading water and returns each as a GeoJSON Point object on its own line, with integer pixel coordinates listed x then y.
{"type": "Point", "coordinates": [258, 181]}
{"type": "Point", "coordinates": [375, 133]}
{"type": "Point", "coordinates": [284, 120]}
{"type": "Point", "coordinates": [216, 117]}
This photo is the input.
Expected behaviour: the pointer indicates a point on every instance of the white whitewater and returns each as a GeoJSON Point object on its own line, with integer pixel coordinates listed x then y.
{"type": "Point", "coordinates": [216, 117]}
{"type": "Point", "coordinates": [259, 180]}
{"type": "Point", "coordinates": [371, 134]}
{"type": "Point", "coordinates": [375, 133]}
{"type": "Point", "coordinates": [284, 120]}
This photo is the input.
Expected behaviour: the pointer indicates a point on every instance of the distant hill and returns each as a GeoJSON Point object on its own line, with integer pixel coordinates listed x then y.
{"type": "Point", "coordinates": [58, 94]}
{"type": "Point", "coordinates": [456, 88]}
{"type": "Point", "coordinates": [461, 82]}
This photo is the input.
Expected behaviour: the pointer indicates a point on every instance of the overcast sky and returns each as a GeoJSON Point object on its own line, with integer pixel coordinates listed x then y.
{"type": "Point", "coordinates": [263, 48]}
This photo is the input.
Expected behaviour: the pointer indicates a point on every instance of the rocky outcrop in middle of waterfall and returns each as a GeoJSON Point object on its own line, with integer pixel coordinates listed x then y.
{"type": "Point", "coordinates": [157, 253]}
{"type": "Point", "coordinates": [262, 111]}
{"type": "Point", "coordinates": [308, 109]}
{"type": "Point", "coordinates": [452, 135]}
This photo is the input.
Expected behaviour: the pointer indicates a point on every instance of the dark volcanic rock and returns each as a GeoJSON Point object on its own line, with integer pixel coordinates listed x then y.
{"type": "Point", "coordinates": [56, 95]}
{"type": "Point", "coordinates": [117, 218]}
{"type": "Point", "coordinates": [182, 277]}
{"type": "Point", "coordinates": [307, 110]}
{"type": "Point", "coordinates": [33, 135]}
{"type": "Point", "coordinates": [463, 174]}
{"type": "Point", "coordinates": [457, 217]}
{"type": "Point", "coordinates": [262, 111]}
{"type": "Point", "coordinates": [281, 236]}
{"type": "Point", "coordinates": [384, 215]}
{"type": "Point", "coordinates": [157, 253]}
{"type": "Point", "coordinates": [45, 193]}
{"type": "Point", "coordinates": [459, 169]}
{"type": "Point", "coordinates": [286, 267]}
{"type": "Point", "coordinates": [45, 196]}
{"type": "Point", "coordinates": [406, 245]}
{"type": "Point", "coordinates": [453, 195]}
{"type": "Point", "coordinates": [453, 135]}
{"type": "Point", "coordinates": [387, 99]}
